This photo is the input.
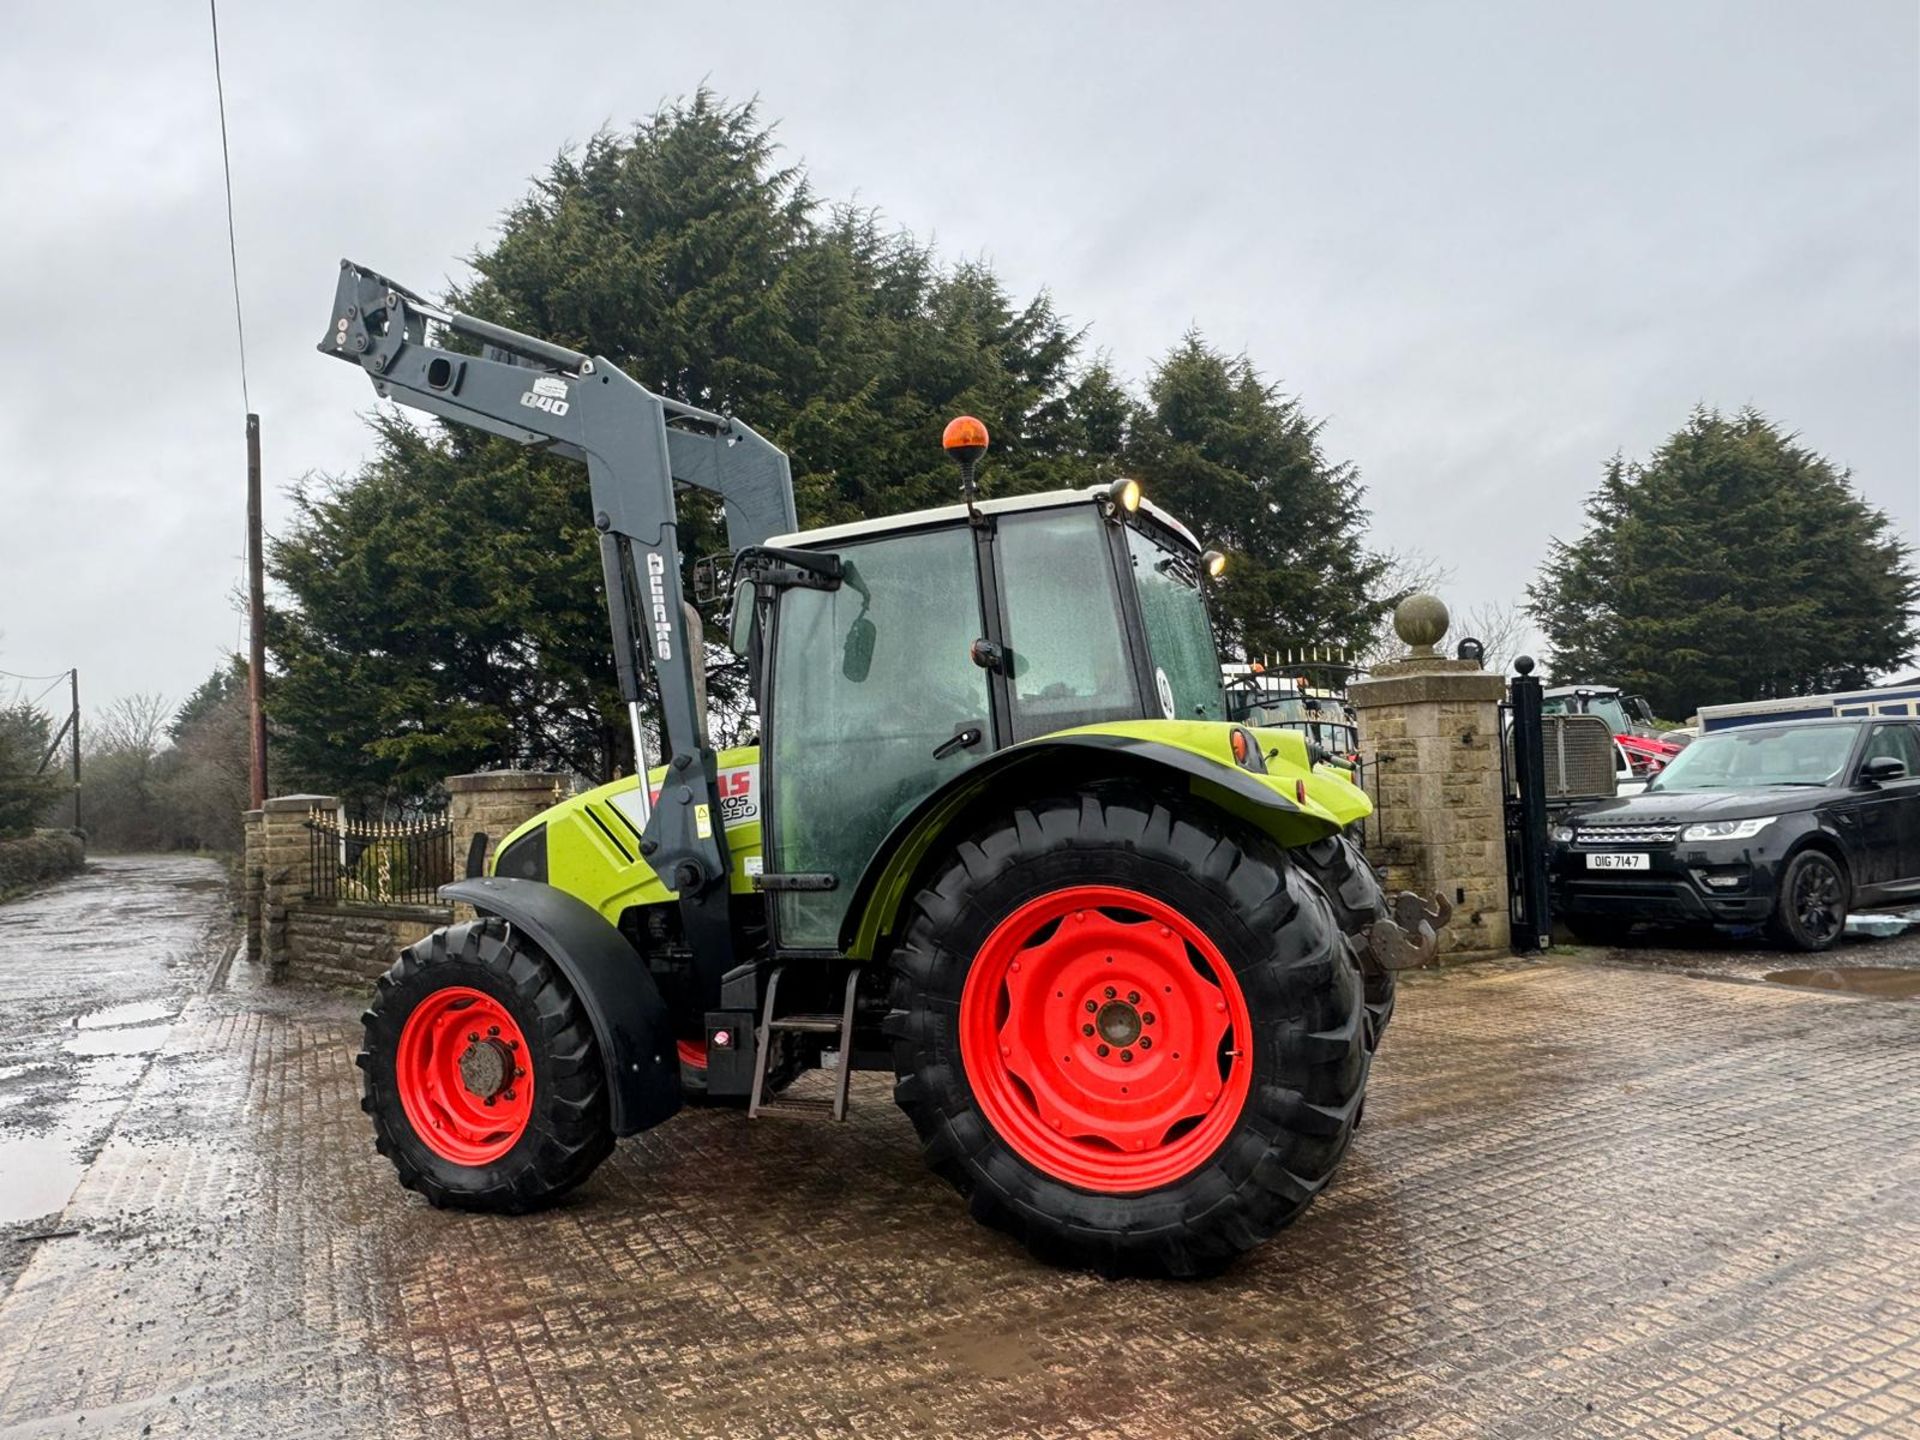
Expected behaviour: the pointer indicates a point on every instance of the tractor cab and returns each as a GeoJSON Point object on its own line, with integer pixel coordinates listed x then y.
{"type": "Point", "coordinates": [943, 637]}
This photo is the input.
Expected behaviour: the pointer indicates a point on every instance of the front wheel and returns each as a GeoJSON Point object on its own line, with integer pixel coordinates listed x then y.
{"type": "Point", "coordinates": [1810, 909]}
{"type": "Point", "coordinates": [1129, 1031]}
{"type": "Point", "coordinates": [481, 1073]}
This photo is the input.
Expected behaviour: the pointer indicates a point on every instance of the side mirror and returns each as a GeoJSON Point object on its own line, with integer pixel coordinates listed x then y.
{"type": "Point", "coordinates": [740, 626]}
{"type": "Point", "coordinates": [1882, 768]}
{"type": "Point", "coordinates": [856, 654]}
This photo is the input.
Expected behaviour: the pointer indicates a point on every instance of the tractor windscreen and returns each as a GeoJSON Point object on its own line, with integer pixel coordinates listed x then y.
{"type": "Point", "coordinates": [1186, 667]}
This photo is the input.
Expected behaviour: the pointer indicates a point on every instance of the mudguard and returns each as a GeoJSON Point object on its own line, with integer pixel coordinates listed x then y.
{"type": "Point", "coordinates": [628, 1015]}
{"type": "Point", "coordinates": [1292, 802]}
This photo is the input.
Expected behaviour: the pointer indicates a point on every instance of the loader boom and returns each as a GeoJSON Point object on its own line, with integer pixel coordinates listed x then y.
{"type": "Point", "coordinates": [636, 446]}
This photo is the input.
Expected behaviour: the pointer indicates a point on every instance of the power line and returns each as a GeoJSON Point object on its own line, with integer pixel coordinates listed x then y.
{"type": "Point", "coordinates": [10, 675]}
{"type": "Point", "coordinates": [226, 165]}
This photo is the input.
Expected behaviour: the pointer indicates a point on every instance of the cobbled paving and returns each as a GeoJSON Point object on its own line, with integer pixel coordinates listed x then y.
{"type": "Point", "coordinates": [1587, 1201]}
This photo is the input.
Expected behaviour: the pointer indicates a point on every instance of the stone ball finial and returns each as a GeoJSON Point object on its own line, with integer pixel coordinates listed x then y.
{"type": "Point", "coordinates": [1523, 664]}
{"type": "Point", "coordinates": [1421, 621]}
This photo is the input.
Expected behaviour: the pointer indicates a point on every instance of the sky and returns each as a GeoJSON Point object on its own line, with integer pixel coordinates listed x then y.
{"type": "Point", "coordinates": [1490, 244]}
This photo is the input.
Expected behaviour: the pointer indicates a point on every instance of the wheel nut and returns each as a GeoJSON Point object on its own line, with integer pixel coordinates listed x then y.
{"type": "Point", "coordinates": [1102, 1050]}
{"type": "Point", "coordinates": [507, 1093]}
{"type": "Point", "coordinates": [473, 1037]}
{"type": "Point", "coordinates": [1133, 997]}
{"type": "Point", "coordinates": [1091, 1007]}
{"type": "Point", "coordinates": [1126, 1056]}
{"type": "Point", "coordinates": [1146, 1042]}
{"type": "Point", "coordinates": [519, 1072]}
{"type": "Point", "coordinates": [493, 1030]}
{"type": "Point", "coordinates": [1111, 992]}
{"type": "Point", "coordinates": [488, 1100]}
{"type": "Point", "coordinates": [1086, 1029]}
{"type": "Point", "coordinates": [1147, 1018]}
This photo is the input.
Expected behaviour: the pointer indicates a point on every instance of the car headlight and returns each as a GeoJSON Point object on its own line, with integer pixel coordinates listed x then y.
{"type": "Point", "coordinates": [1728, 829]}
{"type": "Point", "coordinates": [1562, 834]}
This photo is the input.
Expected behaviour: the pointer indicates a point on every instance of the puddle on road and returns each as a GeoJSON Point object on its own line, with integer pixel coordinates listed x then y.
{"type": "Point", "coordinates": [1881, 981]}
{"type": "Point", "coordinates": [37, 1174]}
{"type": "Point", "coordinates": [133, 1040]}
{"type": "Point", "coordinates": [134, 1012]}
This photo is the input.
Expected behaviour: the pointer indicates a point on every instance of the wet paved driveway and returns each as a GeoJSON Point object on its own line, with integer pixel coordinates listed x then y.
{"type": "Point", "coordinates": [92, 971]}
{"type": "Point", "coordinates": [1589, 1200]}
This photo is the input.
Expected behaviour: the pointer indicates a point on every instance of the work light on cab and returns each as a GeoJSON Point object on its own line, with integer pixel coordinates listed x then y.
{"type": "Point", "coordinates": [1215, 562]}
{"type": "Point", "coordinates": [1124, 495]}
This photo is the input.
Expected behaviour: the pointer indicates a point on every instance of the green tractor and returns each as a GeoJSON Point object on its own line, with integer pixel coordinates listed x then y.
{"type": "Point", "coordinates": [997, 837]}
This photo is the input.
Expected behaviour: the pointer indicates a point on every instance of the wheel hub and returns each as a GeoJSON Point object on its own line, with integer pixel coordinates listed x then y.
{"type": "Point", "coordinates": [486, 1068]}
{"type": "Point", "coordinates": [464, 1075]}
{"type": "Point", "coordinates": [1104, 1036]}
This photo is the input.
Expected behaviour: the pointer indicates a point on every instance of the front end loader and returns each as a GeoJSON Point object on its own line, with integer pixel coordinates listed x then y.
{"type": "Point", "coordinates": [997, 836]}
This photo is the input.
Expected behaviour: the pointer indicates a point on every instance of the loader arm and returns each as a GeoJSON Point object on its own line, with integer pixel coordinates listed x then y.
{"type": "Point", "coordinates": [636, 445]}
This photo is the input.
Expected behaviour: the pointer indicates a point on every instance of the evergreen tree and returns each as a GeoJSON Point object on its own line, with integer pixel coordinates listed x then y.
{"type": "Point", "coordinates": [447, 599]}
{"type": "Point", "coordinates": [27, 792]}
{"type": "Point", "coordinates": [1242, 465]}
{"type": "Point", "coordinates": [1734, 564]}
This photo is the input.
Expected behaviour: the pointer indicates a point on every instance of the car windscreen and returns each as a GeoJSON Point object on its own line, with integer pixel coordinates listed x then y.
{"type": "Point", "coordinates": [1740, 759]}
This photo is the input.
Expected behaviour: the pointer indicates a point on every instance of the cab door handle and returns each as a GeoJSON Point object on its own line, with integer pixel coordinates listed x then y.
{"type": "Point", "coordinates": [964, 738]}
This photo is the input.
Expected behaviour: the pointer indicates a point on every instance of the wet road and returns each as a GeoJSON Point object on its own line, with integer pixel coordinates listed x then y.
{"type": "Point", "coordinates": [92, 970]}
{"type": "Point", "coordinates": [1594, 1197]}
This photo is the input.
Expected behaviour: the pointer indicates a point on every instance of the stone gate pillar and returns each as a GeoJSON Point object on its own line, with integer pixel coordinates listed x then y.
{"type": "Point", "coordinates": [1430, 737]}
{"type": "Point", "coordinates": [284, 850]}
{"type": "Point", "coordinates": [493, 802]}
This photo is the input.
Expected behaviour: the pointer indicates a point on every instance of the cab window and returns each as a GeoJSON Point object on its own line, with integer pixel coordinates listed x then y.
{"type": "Point", "coordinates": [1186, 667]}
{"type": "Point", "coordinates": [1068, 655]}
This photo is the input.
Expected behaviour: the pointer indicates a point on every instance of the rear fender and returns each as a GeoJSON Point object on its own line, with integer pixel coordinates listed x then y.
{"type": "Point", "coordinates": [623, 1004]}
{"type": "Point", "coordinates": [1293, 801]}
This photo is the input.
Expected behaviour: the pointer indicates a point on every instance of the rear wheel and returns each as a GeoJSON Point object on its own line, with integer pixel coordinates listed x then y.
{"type": "Point", "coordinates": [1129, 1031]}
{"type": "Point", "coordinates": [1353, 893]}
{"type": "Point", "coordinates": [1810, 908]}
{"type": "Point", "coordinates": [481, 1073]}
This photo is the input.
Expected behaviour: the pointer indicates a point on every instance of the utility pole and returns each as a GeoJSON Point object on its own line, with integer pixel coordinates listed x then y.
{"type": "Point", "coordinates": [256, 623]}
{"type": "Point", "coordinates": [73, 677]}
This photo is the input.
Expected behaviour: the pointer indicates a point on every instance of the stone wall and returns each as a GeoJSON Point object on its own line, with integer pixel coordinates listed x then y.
{"type": "Point", "coordinates": [1430, 736]}
{"type": "Point", "coordinates": [349, 947]}
{"type": "Point", "coordinates": [341, 945]}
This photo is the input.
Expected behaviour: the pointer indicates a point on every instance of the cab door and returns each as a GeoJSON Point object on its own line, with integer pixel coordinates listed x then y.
{"type": "Point", "coordinates": [874, 703]}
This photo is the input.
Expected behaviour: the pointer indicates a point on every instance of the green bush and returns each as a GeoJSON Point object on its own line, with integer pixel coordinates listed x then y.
{"type": "Point", "coordinates": [43, 855]}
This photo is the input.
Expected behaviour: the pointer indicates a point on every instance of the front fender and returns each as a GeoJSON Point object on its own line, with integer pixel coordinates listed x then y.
{"type": "Point", "coordinates": [1292, 803]}
{"type": "Point", "coordinates": [624, 1006]}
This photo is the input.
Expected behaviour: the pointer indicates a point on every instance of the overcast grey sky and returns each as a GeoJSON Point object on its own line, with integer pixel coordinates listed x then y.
{"type": "Point", "coordinates": [1490, 243]}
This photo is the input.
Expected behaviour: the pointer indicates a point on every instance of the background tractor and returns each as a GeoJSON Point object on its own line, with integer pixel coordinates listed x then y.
{"type": "Point", "coordinates": [997, 836]}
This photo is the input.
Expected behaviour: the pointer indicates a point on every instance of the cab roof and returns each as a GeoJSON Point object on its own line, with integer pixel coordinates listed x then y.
{"type": "Point", "coordinates": [948, 514]}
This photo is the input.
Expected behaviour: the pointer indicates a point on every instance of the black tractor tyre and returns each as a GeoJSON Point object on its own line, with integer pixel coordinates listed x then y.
{"type": "Point", "coordinates": [567, 1129]}
{"type": "Point", "coordinates": [1355, 895]}
{"type": "Point", "coordinates": [1290, 963]}
{"type": "Point", "coordinates": [1810, 903]}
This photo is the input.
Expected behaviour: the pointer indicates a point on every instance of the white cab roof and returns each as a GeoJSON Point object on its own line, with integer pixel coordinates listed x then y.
{"type": "Point", "coordinates": [947, 514]}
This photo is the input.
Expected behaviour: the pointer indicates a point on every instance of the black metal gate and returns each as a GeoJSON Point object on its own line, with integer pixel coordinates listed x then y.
{"type": "Point", "coordinates": [1523, 789]}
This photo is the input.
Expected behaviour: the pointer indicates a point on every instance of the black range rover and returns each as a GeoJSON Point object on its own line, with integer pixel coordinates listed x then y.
{"type": "Point", "coordinates": [1788, 826]}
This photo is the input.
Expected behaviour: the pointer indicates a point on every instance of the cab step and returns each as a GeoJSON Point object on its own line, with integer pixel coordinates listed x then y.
{"type": "Point", "coordinates": [773, 1023]}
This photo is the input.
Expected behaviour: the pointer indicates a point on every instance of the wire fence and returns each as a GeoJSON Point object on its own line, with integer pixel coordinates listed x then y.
{"type": "Point", "coordinates": [379, 862]}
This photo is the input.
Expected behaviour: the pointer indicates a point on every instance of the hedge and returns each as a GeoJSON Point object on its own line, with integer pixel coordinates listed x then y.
{"type": "Point", "coordinates": [43, 855]}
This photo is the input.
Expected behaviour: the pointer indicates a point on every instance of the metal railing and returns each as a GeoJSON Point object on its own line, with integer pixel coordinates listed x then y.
{"type": "Point", "coordinates": [378, 862]}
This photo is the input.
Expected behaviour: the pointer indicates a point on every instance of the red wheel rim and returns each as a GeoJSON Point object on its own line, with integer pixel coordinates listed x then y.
{"type": "Point", "coordinates": [1158, 998]}
{"type": "Point", "coordinates": [464, 1076]}
{"type": "Point", "coordinates": [692, 1054]}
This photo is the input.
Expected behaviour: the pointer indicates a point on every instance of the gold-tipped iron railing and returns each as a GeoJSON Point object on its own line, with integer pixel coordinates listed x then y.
{"type": "Point", "coordinates": [378, 862]}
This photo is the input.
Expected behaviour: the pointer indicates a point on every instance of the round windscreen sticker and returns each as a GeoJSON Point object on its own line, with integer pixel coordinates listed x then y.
{"type": "Point", "coordinates": [1165, 689]}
